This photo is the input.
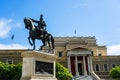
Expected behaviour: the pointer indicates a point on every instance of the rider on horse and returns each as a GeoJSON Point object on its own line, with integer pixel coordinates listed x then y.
{"type": "Point", "coordinates": [35, 32]}
{"type": "Point", "coordinates": [41, 26]}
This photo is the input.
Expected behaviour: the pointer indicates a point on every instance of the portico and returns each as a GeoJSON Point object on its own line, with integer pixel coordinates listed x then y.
{"type": "Point", "coordinates": [79, 61]}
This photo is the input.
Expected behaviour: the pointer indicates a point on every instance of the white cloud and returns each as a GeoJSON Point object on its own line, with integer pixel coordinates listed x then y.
{"type": "Point", "coordinates": [113, 50]}
{"type": "Point", "coordinates": [17, 24]}
{"type": "Point", "coordinates": [5, 27]}
{"type": "Point", "coordinates": [12, 46]}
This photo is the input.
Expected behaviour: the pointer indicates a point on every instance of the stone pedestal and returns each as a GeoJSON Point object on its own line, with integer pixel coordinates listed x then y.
{"type": "Point", "coordinates": [38, 66]}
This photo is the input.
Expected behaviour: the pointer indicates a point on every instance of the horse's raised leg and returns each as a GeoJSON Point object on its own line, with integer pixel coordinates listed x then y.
{"type": "Point", "coordinates": [33, 43]}
{"type": "Point", "coordinates": [30, 41]}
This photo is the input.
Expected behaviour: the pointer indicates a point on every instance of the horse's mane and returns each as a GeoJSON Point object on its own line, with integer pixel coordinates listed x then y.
{"type": "Point", "coordinates": [32, 24]}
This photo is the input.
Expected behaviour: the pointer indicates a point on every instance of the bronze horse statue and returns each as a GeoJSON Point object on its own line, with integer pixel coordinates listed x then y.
{"type": "Point", "coordinates": [34, 34]}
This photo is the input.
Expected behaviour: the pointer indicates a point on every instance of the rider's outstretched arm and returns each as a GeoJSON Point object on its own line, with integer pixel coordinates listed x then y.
{"type": "Point", "coordinates": [34, 20]}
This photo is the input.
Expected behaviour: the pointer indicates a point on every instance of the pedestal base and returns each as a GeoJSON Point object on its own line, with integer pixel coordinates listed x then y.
{"type": "Point", "coordinates": [38, 66]}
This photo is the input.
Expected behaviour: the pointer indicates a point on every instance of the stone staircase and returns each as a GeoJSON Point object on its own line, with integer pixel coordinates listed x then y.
{"type": "Point", "coordinates": [84, 78]}
{"type": "Point", "coordinates": [44, 78]}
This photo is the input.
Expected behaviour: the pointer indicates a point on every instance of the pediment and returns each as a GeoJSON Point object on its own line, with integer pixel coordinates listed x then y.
{"type": "Point", "coordinates": [79, 51]}
{"type": "Point", "coordinates": [77, 47]}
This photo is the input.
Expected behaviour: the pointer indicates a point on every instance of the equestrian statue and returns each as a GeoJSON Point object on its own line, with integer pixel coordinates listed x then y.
{"type": "Point", "coordinates": [38, 32]}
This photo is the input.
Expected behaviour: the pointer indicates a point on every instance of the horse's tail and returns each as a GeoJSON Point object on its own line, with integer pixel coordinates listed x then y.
{"type": "Point", "coordinates": [52, 42]}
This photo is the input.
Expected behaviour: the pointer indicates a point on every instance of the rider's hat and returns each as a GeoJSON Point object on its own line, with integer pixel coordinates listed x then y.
{"type": "Point", "coordinates": [41, 15]}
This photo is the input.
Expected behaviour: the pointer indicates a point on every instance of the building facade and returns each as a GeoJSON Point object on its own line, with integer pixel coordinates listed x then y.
{"type": "Point", "coordinates": [81, 55]}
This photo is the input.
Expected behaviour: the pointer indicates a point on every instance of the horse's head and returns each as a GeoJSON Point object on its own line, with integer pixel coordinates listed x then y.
{"type": "Point", "coordinates": [28, 24]}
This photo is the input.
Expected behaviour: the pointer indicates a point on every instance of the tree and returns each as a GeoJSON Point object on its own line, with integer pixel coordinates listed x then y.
{"type": "Point", "coordinates": [115, 72]}
{"type": "Point", "coordinates": [62, 73]}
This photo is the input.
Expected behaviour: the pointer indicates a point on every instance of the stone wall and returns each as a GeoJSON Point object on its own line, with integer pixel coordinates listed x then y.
{"type": "Point", "coordinates": [105, 60]}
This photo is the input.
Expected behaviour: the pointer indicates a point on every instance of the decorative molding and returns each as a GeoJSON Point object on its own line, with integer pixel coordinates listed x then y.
{"type": "Point", "coordinates": [38, 54]}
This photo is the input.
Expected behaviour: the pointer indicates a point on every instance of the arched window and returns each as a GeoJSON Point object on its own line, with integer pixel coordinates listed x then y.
{"type": "Point", "coordinates": [10, 61]}
{"type": "Point", "coordinates": [97, 67]}
{"type": "Point", "coordinates": [60, 54]}
{"type": "Point", "coordinates": [113, 65]}
{"type": "Point", "coordinates": [105, 66]}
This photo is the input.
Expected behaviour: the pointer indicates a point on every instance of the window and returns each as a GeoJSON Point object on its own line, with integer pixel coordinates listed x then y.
{"type": "Point", "coordinates": [10, 61]}
{"type": "Point", "coordinates": [99, 54]}
{"type": "Point", "coordinates": [113, 65]}
{"type": "Point", "coordinates": [92, 53]}
{"type": "Point", "coordinates": [97, 67]}
{"type": "Point", "coordinates": [105, 66]}
{"type": "Point", "coordinates": [60, 54]}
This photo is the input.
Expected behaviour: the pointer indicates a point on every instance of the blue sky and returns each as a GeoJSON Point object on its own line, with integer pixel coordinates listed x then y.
{"type": "Point", "coordinates": [99, 18]}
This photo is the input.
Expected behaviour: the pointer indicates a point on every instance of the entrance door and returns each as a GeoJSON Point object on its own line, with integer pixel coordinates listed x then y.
{"type": "Point", "coordinates": [80, 68]}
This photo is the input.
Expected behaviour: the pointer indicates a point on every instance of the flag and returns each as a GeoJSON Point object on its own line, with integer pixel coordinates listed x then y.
{"type": "Point", "coordinates": [12, 37]}
{"type": "Point", "coordinates": [75, 31]}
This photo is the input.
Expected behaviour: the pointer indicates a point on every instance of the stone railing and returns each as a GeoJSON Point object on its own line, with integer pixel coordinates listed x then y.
{"type": "Point", "coordinates": [95, 75]}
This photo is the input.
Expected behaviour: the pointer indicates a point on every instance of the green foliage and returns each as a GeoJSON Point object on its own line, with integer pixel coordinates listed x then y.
{"type": "Point", "coordinates": [17, 72]}
{"type": "Point", "coordinates": [62, 73]}
{"type": "Point", "coordinates": [115, 72]}
{"type": "Point", "coordinates": [10, 71]}
{"type": "Point", "coordinates": [13, 72]}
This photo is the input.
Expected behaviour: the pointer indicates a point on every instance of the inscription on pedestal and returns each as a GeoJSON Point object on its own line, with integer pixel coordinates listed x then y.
{"type": "Point", "coordinates": [43, 67]}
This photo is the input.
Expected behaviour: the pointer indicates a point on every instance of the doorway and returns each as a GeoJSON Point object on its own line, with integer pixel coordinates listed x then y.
{"type": "Point", "coordinates": [80, 69]}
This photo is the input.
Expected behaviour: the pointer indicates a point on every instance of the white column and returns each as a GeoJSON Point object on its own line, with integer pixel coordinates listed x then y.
{"type": "Point", "coordinates": [76, 66]}
{"type": "Point", "coordinates": [69, 63]}
{"type": "Point", "coordinates": [54, 68]}
{"type": "Point", "coordinates": [91, 65]}
{"type": "Point", "coordinates": [84, 63]}
{"type": "Point", "coordinates": [88, 60]}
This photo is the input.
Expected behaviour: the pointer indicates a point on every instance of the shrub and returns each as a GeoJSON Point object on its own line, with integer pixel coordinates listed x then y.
{"type": "Point", "coordinates": [115, 72]}
{"type": "Point", "coordinates": [17, 71]}
{"type": "Point", "coordinates": [13, 72]}
{"type": "Point", "coordinates": [10, 71]}
{"type": "Point", "coordinates": [62, 73]}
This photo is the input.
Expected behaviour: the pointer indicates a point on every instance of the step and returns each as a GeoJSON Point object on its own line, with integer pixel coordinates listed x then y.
{"type": "Point", "coordinates": [84, 78]}
{"type": "Point", "coordinates": [43, 78]}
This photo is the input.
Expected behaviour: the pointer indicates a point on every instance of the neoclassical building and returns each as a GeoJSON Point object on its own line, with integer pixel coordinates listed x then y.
{"type": "Point", "coordinates": [81, 55]}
